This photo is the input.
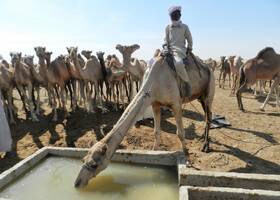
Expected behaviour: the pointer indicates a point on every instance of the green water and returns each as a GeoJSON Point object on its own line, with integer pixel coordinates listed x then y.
{"type": "Point", "coordinates": [54, 178]}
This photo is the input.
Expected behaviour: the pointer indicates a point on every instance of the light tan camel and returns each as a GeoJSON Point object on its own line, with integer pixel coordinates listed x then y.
{"type": "Point", "coordinates": [118, 71]}
{"type": "Point", "coordinates": [7, 85]}
{"type": "Point", "coordinates": [91, 73]}
{"type": "Point", "coordinates": [265, 66]}
{"type": "Point", "coordinates": [54, 73]}
{"type": "Point", "coordinates": [6, 64]}
{"type": "Point", "coordinates": [234, 68]}
{"type": "Point", "coordinates": [75, 80]}
{"type": "Point", "coordinates": [23, 78]}
{"type": "Point", "coordinates": [159, 89]}
{"type": "Point", "coordinates": [211, 63]}
{"type": "Point", "coordinates": [224, 71]}
{"type": "Point", "coordinates": [38, 80]}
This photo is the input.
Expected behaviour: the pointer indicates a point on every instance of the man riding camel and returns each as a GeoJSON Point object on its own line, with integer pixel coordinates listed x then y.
{"type": "Point", "coordinates": [176, 34]}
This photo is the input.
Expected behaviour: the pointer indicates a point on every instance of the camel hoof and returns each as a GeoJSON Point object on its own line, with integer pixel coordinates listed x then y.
{"type": "Point", "coordinates": [104, 111]}
{"type": "Point", "coordinates": [261, 109]}
{"type": "Point", "coordinates": [205, 149]}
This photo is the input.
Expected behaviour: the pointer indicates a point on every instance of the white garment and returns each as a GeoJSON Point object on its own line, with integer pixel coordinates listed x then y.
{"type": "Point", "coordinates": [173, 8]}
{"type": "Point", "coordinates": [150, 63]}
{"type": "Point", "coordinates": [5, 132]}
{"type": "Point", "coordinates": [148, 114]}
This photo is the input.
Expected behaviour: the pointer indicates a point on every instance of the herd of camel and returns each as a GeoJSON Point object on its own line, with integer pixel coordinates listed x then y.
{"type": "Point", "coordinates": [71, 73]}
{"type": "Point", "coordinates": [68, 73]}
{"type": "Point", "coordinates": [83, 77]}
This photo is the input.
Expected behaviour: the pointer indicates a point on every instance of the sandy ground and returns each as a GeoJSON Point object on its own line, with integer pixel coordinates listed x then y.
{"type": "Point", "coordinates": [250, 145]}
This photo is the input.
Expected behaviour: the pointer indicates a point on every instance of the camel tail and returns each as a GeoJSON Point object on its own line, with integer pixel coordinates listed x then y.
{"type": "Point", "coordinates": [242, 76]}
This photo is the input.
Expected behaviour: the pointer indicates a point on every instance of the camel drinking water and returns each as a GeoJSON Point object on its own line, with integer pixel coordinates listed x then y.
{"type": "Point", "coordinates": [159, 89]}
{"type": "Point", "coordinates": [265, 66]}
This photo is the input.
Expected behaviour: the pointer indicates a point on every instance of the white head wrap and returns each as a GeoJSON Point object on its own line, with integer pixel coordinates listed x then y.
{"type": "Point", "coordinates": [173, 8]}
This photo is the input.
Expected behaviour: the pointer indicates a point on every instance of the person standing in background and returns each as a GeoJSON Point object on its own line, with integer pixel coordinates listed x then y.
{"type": "Point", "coordinates": [5, 133]}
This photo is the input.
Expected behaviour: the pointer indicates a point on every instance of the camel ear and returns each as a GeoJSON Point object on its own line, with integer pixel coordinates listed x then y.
{"type": "Point", "coordinates": [44, 48]}
{"type": "Point", "coordinates": [11, 54]}
{"type": "Point", "coordinates": [118, 46]}
{"type": "Point", "coordinates": [68, 49]}
{"type": "Point", "coordinates": [35, 48]}
{"type": "Point", "coordinates": [20, 54]}
{"type": "Point", "coordinates": [104, 149]}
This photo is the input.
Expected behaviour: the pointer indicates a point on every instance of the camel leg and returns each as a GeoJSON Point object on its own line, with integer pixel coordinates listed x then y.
{"type": "Point", "coordinates": [30, 102]}
{"type": "Point", "coordinates": [220, 79]}
{"type": "Point", "coordinates": [224, 80]}
{"type": "Point", "coordinates": [208, 117]}
{"type": "Point", "coordinates": [229, 82]}
{"type": "Point", "coordinates": [22, 99]}
{"type": "Point", "coordinates": [54, 104]}
{"type": "Point", "coordinates": [37, 88]}
{"type": "Point", "coordinates": [157, 118]}
{"type": "Point", "coordinates": [63, 99]}
{"type": "Point", "coordinates": [131, 89]}
{"type": "Point", "coordinates": [177, 110]}
{"type": "Point", "coordinates": [121, 94]}
{"type": "Point", "coordinates": [114, 98]}
{"type": "Point", "coordinates": [274, 85]}
{"type": "Point", "coordinates": [238, 95]}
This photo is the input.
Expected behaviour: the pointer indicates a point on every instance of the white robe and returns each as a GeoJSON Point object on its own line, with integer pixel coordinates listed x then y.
{"type": "Point", "coordinates": [5, 133]}
{"type": "Point", "coordinates": [148, 114]}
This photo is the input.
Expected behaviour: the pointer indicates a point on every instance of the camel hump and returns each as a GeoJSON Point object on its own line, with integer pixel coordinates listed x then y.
{"type": "Point", "coordinates": [263, 52]}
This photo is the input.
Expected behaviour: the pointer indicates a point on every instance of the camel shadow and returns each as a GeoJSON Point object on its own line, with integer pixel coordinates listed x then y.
{"type": "Point", "coordinates": [265, 136]}
{"type": "Point", "coordinates": [81, 122]}
{"type": "Point", "coordinates": [254, 164]}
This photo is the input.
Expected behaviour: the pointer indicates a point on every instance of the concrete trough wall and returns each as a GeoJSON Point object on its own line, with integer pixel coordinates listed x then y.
{"type": "Point", "coordinates": [213, 193]}
{"type": "Point", "coordinates": [228, 179]}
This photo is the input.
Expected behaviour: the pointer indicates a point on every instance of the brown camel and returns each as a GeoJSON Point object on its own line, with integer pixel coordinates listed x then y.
{"type": "Point", "coordinates": [265, 66]}
{"type": "Point", "coordinates": [37, 77]}
{"type": "Point", "coordinates": [76, 79]}
{"type": "Point", "coordinates": [91, 73]}
{"type": "Point", "coordinates": [54, 73]}
{"type": "Point", "coordinates": [234, 68]}
{"type": "Point", "coordinates": [87, 54]}
{"type": "Point", "coordinates": [6, 86]}
{"type": "Point", "coordinates": [159, 89]}
{"type": "Point", "coordinates": [23, 78]}
{"type": "Point", "coordinates": [6, 64]}
{"type": "Point", "coordinates": [117, 71]}
{"type": "Point", "coordinates": [211, 63]}
{"type": "Point", "coordinates": [224, 71]}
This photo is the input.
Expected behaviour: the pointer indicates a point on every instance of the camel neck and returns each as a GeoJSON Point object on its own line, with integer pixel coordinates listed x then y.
{"type": "Point", "coordinates": [130, 116]}
{"type": "Point", "coordinates": [103, 69]}
{"type": "Point", "coordinates": [126, 60]}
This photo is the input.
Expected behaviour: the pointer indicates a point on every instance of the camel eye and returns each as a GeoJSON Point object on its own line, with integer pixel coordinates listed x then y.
{"type": "Point", "coordinates": [94, 165]}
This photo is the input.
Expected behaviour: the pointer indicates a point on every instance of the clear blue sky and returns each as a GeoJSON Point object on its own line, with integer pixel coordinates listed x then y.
{"type": "Point", "coordinates": [218, 27]}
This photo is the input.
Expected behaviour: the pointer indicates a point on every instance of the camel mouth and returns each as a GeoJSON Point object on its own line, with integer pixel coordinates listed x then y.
{"type": "Point", "coordinates": [80, 184]}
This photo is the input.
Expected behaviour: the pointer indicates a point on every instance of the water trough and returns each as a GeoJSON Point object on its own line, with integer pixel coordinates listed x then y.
{"type": "Point", "coordinates": [192, 184]}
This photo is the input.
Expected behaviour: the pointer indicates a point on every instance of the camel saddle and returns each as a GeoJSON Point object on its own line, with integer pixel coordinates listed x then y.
{"type": "Point", "coordinates": [169, 58]}
{"type": "Point", "coordinates": [184, 88]}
